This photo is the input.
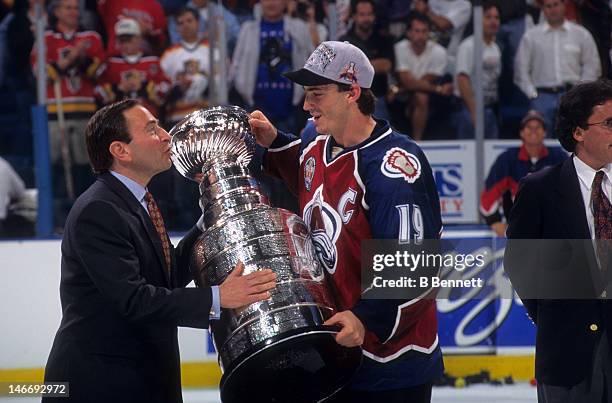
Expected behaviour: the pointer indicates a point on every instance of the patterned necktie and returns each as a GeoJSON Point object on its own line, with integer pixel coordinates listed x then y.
{"type": "Point", "coordinates": [602, 214]}
{"type": "Point", "coordinates": [158, 222]}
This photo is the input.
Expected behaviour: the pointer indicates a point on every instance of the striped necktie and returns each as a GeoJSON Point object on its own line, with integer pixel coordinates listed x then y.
{"type": "Point", "coordinates": [602, 214]}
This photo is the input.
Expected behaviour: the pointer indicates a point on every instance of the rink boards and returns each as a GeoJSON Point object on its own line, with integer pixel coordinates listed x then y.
{"type": "Point", "coordinates": [486, 332]}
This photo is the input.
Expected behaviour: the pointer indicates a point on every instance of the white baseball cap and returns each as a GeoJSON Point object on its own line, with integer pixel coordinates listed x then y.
{"type": "Point", "coordinates": [127, 26]}
{"type": "Point", "coordinates": [335, 62]}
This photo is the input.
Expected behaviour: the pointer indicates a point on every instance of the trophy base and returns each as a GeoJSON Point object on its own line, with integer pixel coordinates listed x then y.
{"type": "Point", "coordinates": [301, 366]}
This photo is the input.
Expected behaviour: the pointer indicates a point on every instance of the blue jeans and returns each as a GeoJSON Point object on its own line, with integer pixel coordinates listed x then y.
{"type": "Point", "coordinates": [465, 128]}
{"type": "Point", "coordinates": [546, 104]}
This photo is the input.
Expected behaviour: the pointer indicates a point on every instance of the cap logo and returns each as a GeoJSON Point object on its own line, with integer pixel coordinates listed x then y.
{"type": "Point", "coordinates": [349, 73]}
{"type": "Point", "coordinates": [321, 58]}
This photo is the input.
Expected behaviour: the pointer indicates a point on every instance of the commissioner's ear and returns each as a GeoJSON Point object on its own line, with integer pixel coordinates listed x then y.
{"type": "Point", "coordinates": [578, 134]}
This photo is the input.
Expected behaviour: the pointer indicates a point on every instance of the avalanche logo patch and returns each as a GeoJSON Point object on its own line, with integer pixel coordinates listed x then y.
{"type": "Point", "coordinates": [399, 163]}
{"type": "Point", "coordinates": [325, 225]}
{"type": "Point", "coordinates": [309, 170]}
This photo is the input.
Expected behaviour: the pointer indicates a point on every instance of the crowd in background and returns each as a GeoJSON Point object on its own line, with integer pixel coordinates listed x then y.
{"type": "Point", "coordinates": [102, 51]}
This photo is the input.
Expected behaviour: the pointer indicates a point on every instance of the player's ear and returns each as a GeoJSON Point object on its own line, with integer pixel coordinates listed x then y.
{"type": "Point", "coordinates": [354, 92]}
{"type": "Point", "coordinates": [578, 134]}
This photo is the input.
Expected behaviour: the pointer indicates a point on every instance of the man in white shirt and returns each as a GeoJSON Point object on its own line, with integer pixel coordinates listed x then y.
{"type": "Point", "coordinates": [449, 18]}
{"type": "Point", "coordinates": [464, 73]}
{"type": "Point", "coordinates": [420, 63]}
{"type": "Point", "coordinates": [552, 57]}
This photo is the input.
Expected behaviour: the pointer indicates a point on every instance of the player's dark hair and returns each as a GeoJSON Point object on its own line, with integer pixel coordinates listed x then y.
{"type": "Point", "coordinates": [576, 107]}
{"type": "Point", "coordinates": [366, 101]}
{"type": "Point", "coordinates": [105, 126]}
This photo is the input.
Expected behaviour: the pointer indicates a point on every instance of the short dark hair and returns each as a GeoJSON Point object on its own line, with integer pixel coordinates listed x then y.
{"type": "Point", "coordinates": [355, 2]}
{"type": "Point", "coordinates": [416, 16]}
{"type": "Point", "coordinates": [486, 5]}
{"type": "Point", "coordinates": [576, 107]}
{"type": "Point", "coordinates": [366, 101]}
{"type": "Point", "coordinates": [185, 10]}
{"type": "Point", "coordinates": [105, 126]}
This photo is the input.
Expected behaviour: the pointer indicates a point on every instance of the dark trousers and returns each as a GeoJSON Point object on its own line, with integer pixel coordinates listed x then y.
{"type": "Point", "coordinates": [415, 394]}
{"type": "Point", "coordinates": [597, 388]}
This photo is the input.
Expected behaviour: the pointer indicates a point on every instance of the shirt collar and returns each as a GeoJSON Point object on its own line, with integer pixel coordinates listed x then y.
{"type": "Point", "coordinates": [586, 174]}
{"type": "Point", "coordinates": [524, 155]}
{"type": "Point", "coordinates": [563, 27]}
{"type": "Point", "coordinates": [134, 187]}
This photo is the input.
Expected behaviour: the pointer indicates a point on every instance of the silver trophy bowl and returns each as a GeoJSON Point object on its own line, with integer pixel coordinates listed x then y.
{"type": "Point", "coordinates": [277, 350]}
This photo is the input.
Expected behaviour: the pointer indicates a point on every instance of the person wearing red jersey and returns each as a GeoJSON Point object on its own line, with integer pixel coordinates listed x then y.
{"type": "Point", "coordinates": [132, 74]}
{"type": "Point", "coordinates": [356, 179]}
{"type": "Point", "coordinates": [74, 58]}
{"type": "Point", "coordinates": [150, 17]}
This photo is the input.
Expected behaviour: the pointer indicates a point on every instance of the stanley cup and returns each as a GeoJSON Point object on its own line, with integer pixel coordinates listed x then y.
{"type": "Point", "coordinates": [277, 350]}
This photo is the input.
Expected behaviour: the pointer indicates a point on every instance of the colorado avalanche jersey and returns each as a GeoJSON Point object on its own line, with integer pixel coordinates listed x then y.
{"type": "Point", "coordinates": [382, 188]}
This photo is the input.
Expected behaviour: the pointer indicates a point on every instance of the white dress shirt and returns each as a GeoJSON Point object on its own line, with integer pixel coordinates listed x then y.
{"type": "Point", "coordinates": [586, 174]}
{"type": "Point", "coordinates": [431, 61]}
{"type": "Point", "coordinates": [550, 57]}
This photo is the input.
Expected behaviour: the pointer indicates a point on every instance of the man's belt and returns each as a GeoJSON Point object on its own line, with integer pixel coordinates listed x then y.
{"type": "Point", "coordinates": [555, 90]}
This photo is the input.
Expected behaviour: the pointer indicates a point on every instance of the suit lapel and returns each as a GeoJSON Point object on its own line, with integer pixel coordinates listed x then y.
{"type": "Point", "coordinates": [136, 208]}
{"type": "Point", "coordinates": [573, 216]}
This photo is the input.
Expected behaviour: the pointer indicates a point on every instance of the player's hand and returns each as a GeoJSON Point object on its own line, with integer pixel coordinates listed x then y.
{"type": "Point", "coordinates": [499, 228]}
{"type": "Point", "coordinates": [239, 290]}
{"type": "Point", "coordinates": [262, 129]}
{"type": "Point", "coordinates": [352, 332]}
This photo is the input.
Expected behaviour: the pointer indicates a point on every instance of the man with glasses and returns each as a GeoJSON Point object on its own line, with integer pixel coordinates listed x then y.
{"type": "Point", "coordinates": [564, 278]}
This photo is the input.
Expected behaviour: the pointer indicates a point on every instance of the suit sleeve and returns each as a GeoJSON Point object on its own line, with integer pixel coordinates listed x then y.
{"type": "Point", "coordinates": [524, 223]}
{"type": "Point", "coordinates": [182, 254]}
{"type": "Point", "coordinates": [105, 249]}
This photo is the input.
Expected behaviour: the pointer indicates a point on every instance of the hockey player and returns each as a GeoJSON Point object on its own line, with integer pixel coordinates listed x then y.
{"type": "Point", "coordinates": [356, 178]}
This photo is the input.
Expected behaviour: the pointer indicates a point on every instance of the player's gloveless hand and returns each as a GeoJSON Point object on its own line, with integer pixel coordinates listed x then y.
{"type": "Point", "coordinates": [262, 129]}
{"type": "Point", "coordinates": [238, 290]}
{"type": "Point", "coordinates": [352, 332]}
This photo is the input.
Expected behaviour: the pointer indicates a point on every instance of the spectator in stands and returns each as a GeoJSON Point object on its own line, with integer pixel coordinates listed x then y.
{"type": "Point", "coordinates": [394, 15]}
{"type": "Point", "coordinates": [512, 165]}
{"type": "Point", "coordinates": [449, 19]}
{"type": "Point", "coordinates": [420, 64]}
{"type": "Point", "coordinates": [232, 26]}
{"type": "Point", "coordinates": [74, 59]}
{"type": "Point", "coordinates": [552, 57]}
{"type": "Point", "coordinates": [132, 74]}
{"type": "Point", "coordinates": [187, 65]}
{"type": "Point", "coordinates": [305, 10]}
{"type": "Point", "coordinates": [11, 189]}
{"type": "Point", "coordinates": [148, 13]}
{"type": "Point", "coordinates": [377, 47]}
{"type": "Point", "coordinates": [464, 76]}
{"type": "Point", "coordinates": [267, 48]}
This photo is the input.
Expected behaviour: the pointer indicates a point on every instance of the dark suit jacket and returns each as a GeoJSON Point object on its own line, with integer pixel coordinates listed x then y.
{"type": "Point", "coordinates": [117, 341]}
{"type": "Point", "coordinates": [561, 271]}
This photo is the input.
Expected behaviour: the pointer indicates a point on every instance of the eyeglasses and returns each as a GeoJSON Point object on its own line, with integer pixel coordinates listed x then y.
{"type": "Point", "coordinates": [606, 124]}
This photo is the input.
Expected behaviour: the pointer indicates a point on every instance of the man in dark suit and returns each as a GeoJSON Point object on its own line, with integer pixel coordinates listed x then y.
{"type": "Point", "coordinates": [122, 283]}
{"type": "Point", "coordinates": [563, 278]}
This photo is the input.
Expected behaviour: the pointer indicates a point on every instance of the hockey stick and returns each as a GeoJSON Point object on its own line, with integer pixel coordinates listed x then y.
{"type": "Point", "coordinates": [61, 122]}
